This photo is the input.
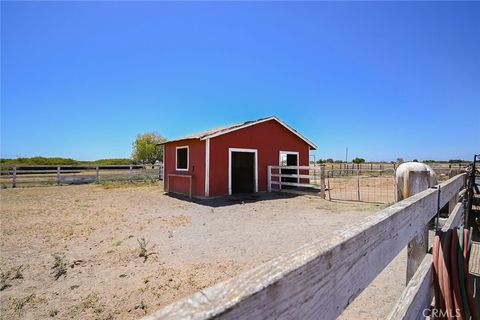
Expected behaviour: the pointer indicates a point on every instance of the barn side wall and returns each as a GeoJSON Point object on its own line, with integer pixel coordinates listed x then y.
{"type": "Point", "coordinates": [269, 138]}
{"type": "Point", "coordinates": [196, 167]}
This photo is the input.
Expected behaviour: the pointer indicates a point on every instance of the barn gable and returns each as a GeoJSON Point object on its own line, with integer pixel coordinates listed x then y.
{"type": "Point", "coordinates": [204, 135]}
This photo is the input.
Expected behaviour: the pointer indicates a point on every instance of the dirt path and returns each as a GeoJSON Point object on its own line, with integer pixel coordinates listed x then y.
{"type": "Point", "coordinates": [190, 246]}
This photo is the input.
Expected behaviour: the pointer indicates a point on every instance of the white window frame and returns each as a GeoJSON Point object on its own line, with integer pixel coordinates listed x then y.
{"type": "Point", "coordinates": [289, 152]}
{"type": "Point", "coordinates": [255, 152]}
{"type": "Point", "coordinates": [188, 158]}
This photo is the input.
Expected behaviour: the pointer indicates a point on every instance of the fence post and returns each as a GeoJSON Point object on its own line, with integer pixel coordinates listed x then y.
{"type": "Point", "coordinates": [130, 173]}
{"type": "Point", "coordinates": [417, 247]}
{"type": "Point", "coordinates": [358, 184]}
{"type": "Point", "coordinates": [58, 175]}
{"type": "Point", "coordinates": [14, 177]}
{"type": "Point", "coordinates": [322, 181]}
{"type": "Point", "coordinates": [97, 174]}
{"type": "Point", "coordinates": [269, 178]}
{"type": "Point", "coordinates": [452, 203]}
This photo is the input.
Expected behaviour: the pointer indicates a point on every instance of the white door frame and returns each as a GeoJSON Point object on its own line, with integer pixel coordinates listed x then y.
{"type": "Point", "coordinates": [289, 152]}
{"type": "Point", "coordinates": [255, 177]}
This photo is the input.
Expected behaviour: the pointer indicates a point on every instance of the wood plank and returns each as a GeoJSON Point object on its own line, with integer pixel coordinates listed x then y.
{"type": "Point", "coordinates": [455, 219]}
{"type": "Point", "coordinates": [417, 295]}
{"type": "Point", "coordinates": [417, 248]}
{"type": "Point", "coordinates": [452, 203]}
{"type": "Point", "coordinates": [53, 181]}
{"type": "Point", "coordinates": [296, 167]}
{"type": "Point", "coordinates": [284, 175]}
{"type": "Point", "coordinates": [318, 280]}
{"type": "Point", "coordinates": [322, 181]}
{"type": "Point", "coordinates": [295, 184]}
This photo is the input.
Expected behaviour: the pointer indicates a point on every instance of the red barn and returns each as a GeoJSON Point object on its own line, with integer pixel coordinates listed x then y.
{"type": "Point", "coordinates": [232, 159]}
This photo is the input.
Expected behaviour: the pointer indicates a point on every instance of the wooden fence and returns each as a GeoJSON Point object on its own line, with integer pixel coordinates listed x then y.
{"type": "Point", "coordinates": [320, 279]}
{"type": "Point", "coordinates": [34, 175]}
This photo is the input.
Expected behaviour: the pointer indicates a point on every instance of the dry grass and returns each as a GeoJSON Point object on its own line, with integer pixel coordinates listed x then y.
{"type": "Point", "coordinates": [190, 246]}
{"type": "Point", "coordinates": [59, 267]}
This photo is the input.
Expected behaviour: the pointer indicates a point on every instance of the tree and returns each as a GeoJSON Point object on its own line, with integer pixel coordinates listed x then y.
{"type": "Point", "coordinates": [358, 160]}
{"type": "Point", "coordinates": [145, 149]}
{"type": "Point", "coordinates": [329, 160]}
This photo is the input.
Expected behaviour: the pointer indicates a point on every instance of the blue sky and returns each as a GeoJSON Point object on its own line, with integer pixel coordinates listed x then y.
{"type": "Point", "coordinates": [386, 79]}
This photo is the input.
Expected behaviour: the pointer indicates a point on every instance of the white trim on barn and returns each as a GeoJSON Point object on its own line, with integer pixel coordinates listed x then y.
{"type": "Point", "coordinates": [188, 158]}
{"type": "Point", "coordinates": [207, 167]}
{"type": "Point", "coordinates": [248, 124]}
{"type": "Point", "coordinates": [230, 150]}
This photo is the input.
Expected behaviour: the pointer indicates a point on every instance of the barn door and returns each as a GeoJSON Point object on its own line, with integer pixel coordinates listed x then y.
{"type": "Point", "coordinates": [243, 172]}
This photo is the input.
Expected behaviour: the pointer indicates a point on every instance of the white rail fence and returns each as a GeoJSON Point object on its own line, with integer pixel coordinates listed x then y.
{"type": "Point", "coordinates": [320, 279]}
{"type": "Point", "coordinates": [34, 175]}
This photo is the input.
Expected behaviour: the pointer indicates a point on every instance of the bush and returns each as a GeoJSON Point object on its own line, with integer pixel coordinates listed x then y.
{"type": "Point", "coordinates": [358, 160]}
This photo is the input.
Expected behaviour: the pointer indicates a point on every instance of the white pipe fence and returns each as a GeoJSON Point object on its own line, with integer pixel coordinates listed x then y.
{"type": "Point", "coordinates": [339, 184]}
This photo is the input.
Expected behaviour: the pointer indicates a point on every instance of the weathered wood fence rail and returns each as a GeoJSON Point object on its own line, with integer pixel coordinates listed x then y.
{"type": "Point", "coordinates": [31, 175]}
{"type": "Point", "coordinates": [320, 279]}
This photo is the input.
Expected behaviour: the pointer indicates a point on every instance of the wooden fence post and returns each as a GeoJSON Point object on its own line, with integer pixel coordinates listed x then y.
{"type": "Point", "coordinates": [190, 188]}
{"type": "Point", "coordinates": [322, 181]}
{"type": "Point", "coordinates": [358, 184]}
{"type": "Point", "coordinates": [269, 178]}
{"type": "Point", "coordinates": [14, 177]}
{"type": "Point", "coordinates": [58, 175]}
{"type": "Point", "coordinates": [452, 203]}
{"type": "Point", "coordinates": [417, 248]}
{"type": "Point", "coordinates": [97, 174]}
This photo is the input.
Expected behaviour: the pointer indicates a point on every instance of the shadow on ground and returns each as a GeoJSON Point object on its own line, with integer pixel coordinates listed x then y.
{"type": "Point", "coordinates": [236, 199]}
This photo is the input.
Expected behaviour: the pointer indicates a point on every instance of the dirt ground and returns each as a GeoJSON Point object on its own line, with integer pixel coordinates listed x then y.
{"type": "Point", "coordinates": [94, 232]}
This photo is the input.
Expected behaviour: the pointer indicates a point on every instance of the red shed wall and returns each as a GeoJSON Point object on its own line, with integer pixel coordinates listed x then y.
{"type": "Point", "coordinates": [196, 167]}
{"type": "Point", "coordinates": [269, 138]}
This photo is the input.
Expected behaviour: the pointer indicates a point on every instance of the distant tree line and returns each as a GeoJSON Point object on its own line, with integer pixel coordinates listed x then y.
{"type": "Point", "coordinates": [65, 161]}
{"type": "Point", "coordinates": [449, 161]}
{"type": "Point", "coordinates": [146, 149]}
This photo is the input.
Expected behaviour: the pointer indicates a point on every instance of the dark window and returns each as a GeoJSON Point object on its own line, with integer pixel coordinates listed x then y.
{"type": "Point", "coordinates": [182, 158]}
